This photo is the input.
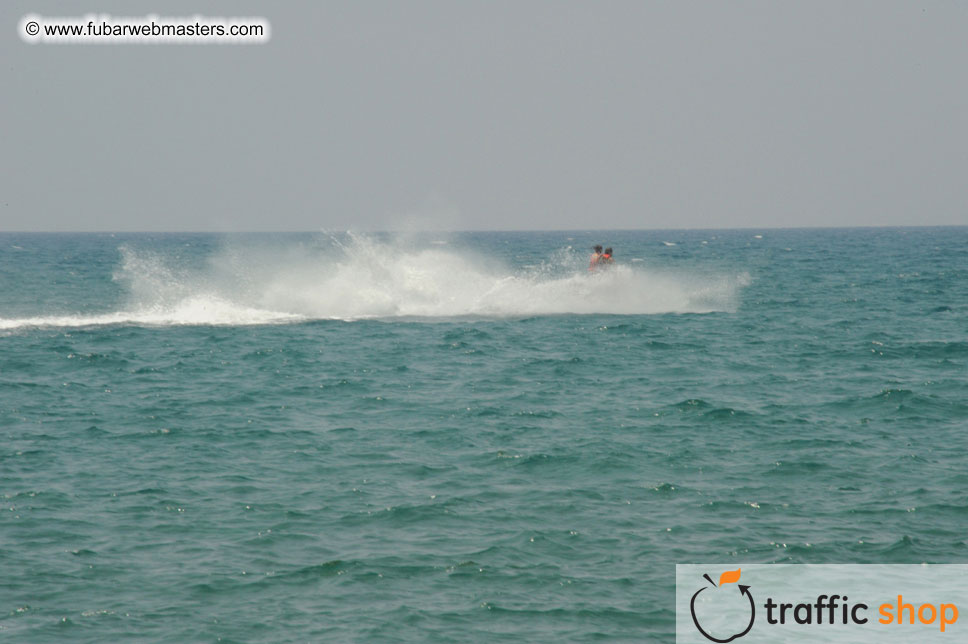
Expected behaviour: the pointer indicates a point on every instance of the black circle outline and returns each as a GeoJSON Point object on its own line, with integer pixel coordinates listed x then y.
{"type": "Point", "coordinates": [692, 609]}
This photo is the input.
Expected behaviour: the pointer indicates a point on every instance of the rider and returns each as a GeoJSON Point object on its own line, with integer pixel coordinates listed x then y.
{"type": "Point", "coordinates": [596, 257]}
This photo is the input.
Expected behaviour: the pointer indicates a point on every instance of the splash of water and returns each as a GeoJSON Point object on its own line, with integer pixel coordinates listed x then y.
{"type": "Point", "coordinates": [369, 278]}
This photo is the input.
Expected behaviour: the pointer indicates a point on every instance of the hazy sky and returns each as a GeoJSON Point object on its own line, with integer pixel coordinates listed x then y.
{"type": "Point", "coordinates": [494, 115]}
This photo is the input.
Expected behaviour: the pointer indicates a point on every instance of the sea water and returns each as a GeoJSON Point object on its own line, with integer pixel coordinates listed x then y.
{"type": "Point", "coordinates": [464, 437]}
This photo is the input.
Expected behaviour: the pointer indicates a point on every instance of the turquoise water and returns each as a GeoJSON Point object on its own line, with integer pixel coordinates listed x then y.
{"type": "Point", "coordinates": [291, 438]}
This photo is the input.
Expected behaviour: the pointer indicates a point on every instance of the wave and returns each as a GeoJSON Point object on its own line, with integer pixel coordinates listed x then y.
{"type": "Point", "coordinates": [365, 278]}
{"type": "Point", "coordinates": [192, 311]}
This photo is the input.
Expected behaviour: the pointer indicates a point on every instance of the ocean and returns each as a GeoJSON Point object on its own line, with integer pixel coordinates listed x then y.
{"type": "Point", "coordinates": [464, 437]}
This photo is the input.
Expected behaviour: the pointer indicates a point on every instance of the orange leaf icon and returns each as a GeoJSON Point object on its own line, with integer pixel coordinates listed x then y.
{"type": "Point", "coordinates": [729, 577]}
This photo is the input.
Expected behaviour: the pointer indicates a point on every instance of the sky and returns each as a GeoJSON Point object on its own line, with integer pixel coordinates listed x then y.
{"type": "Point", "coordinates": [497, 115]}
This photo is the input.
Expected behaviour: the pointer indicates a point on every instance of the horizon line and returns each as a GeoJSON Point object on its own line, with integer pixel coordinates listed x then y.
{"type": "Point", "coordinates": [468, 230]}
